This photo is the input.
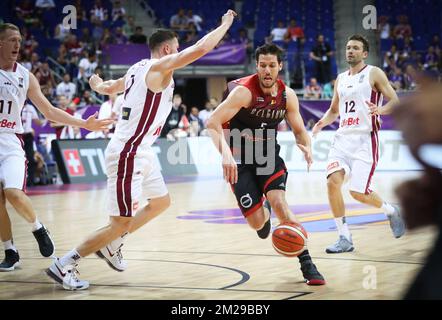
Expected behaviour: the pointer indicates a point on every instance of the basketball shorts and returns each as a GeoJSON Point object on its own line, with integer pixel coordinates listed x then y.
{"type": "Point", "coordinates": [131, 177]}
{"type": "Point", "coordinates": [13, 163]}
{"type": "Point", "coordinates": [357, 155]}
{"type": "Point", "coordinates": [254, 183]}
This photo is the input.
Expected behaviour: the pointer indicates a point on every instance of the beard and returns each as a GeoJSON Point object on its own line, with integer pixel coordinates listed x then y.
{"type": "Point", "coordinates": [353, 62]}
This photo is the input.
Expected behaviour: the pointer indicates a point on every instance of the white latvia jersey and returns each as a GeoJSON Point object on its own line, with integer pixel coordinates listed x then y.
{"type": "Point", "coordinates": [14, 86]}
{"type": "Point", "coordinates": [354, 113]}
{"type": "Point", "coordinates": [143, 112]}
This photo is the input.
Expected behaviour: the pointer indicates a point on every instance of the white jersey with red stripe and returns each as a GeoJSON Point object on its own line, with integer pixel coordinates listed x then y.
{"type": "Point", "coordinates": [143, 112]}
{"type": "Point", "coordinates": [14, 87]}
{"type": "Point", "coordinates": [353, 92]}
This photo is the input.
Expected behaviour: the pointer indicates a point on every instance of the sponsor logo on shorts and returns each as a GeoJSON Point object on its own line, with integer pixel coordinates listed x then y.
{"type": "Point", "coordinates": [332, 165]}
{"type": "Point", "coordinates": [246, 201]}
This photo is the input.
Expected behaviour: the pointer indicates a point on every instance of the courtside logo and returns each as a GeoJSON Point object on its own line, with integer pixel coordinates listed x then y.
{"type": "Point", "coordinates": [73, 162]}
{"type": "Point", "coordinates": [314, 217]}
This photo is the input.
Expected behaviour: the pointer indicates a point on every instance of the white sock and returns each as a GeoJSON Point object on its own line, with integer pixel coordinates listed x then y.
{"type": "Point", "coordinates": [117, 243]}
{"type": "Point", "coordinates": [36, 225]}
{"type": "Point", "coordinates": [72, 257]}
{"type": "Point", "coordinates": [9, 245]}
{"type": "Point", "coordinates": [342, 226]}
{"type": "Point", "coordinates": [387, 208]}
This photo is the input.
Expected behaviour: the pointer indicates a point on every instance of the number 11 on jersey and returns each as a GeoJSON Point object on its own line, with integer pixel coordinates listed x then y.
{"type": "Point", "coordinates": [2, 105]}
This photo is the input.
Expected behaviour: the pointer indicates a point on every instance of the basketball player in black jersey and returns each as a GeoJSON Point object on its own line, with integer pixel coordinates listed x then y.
{"type": "Point", "coordinates": [252, 110]}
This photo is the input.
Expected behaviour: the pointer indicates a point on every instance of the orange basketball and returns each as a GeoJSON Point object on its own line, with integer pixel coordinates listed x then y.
{"type": "Point", "coordinates": [289, 239]}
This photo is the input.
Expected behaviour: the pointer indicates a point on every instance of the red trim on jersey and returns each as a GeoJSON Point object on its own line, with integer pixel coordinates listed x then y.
{"type": "Point", "coordinates": [20, 138]}
{"type": "Point", "coordinates": [375, 98]}
{"type": "Point", "coordinates": [25, 176]}
{"type": "Point", "coordinates": [375, 153]}
{"type": "Point", "coordinates": [14, 68]}
{"type": "Point", "coordinates": [252, 83]}
{"type": "Point", "coordinates": [272, 178]}
{"type": "Point", "coordinates": [127, 155]}
{"type": "Point", "coordinates": [359, 70]}
{"type": "Point", "coordinates": [253, 209]}
{"type": "Point", "coordinates": [378, 125]}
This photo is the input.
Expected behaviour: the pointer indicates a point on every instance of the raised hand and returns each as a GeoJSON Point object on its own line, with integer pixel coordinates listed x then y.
{"type": "Point", "coordinates": [228, 17]}
{"type": "Point", "coordinates": [95, 81]}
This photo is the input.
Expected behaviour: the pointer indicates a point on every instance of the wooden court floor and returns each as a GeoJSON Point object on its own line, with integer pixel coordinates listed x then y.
{"type": "Point", "coordinates": [200, 248]}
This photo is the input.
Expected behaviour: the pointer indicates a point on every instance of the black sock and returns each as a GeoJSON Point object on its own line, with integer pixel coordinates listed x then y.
{"type": "Point", "coordinates": [305, 256]}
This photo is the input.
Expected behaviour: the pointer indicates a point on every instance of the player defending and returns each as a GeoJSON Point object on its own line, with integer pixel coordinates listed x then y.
{"type": "Point", "coordinates": [148, 91]}
{"type": "Point", "coordinates": [357, 100]}
{"type": "Point", "coordinates": [17, 84]}
{"type": "Point", "coordinates": [254, 107]}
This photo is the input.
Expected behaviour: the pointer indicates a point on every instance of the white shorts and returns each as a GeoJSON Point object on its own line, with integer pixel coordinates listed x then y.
{"type": "Point", "coordinates": [357, 155]}
{"type": "Point", "coordinates": [131, 176]}
{"type": "Point", "coordinates": [13, 163]}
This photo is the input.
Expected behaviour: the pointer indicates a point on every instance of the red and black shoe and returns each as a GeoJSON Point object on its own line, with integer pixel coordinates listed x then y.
{"type": "Point", "coordinates": [311, 274]}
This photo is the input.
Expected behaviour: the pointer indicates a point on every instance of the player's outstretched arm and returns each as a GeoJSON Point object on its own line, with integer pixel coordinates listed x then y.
{"type": "Point", "coordinates": [238, 98]}
{"type": "Point", "coordinates": [296, 122]}
{"type": "Point", "coordinates": [54, 114]}
{"type": "Point", "coordinates": [106, 87]}
{"type": "Point", "coordinates": [383, 85]}
{"type": "Point", "coordinates": [330, 115]}
{"type": "Point", "coordinates": [203, 46]}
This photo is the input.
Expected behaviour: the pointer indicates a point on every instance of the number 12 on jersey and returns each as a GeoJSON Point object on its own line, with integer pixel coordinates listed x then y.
{"type": "Point", "coordinates": [350, 104]}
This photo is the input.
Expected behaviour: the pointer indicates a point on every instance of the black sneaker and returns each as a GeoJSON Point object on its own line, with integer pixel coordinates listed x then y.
{"type": "Point", "coordinates": [264, 232]}
{"type": "Point", "coordinates": [311, 275]}
{"type": "Point", "coordinates": [11, 261]}
{"type": "Point", "coordinates": [45, 243]}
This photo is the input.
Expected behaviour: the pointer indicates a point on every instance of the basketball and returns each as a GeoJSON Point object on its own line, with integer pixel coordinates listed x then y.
{"type": "Point", "coordinates": [289, 239]}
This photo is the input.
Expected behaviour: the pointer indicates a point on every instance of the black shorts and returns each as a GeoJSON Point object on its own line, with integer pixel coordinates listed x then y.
{"type": "Point", "coordinates": [252, 185]}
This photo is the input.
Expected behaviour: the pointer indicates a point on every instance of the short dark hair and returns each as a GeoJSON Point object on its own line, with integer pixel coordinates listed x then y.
{"type": "Point", "coordinates": [160, 36]}
{"type": "Point", "coordinates": [8, 26]}
{"type": "Point", "coordinates": [269, 49]}
{"type": "Point", "coordinates": [361, 38]}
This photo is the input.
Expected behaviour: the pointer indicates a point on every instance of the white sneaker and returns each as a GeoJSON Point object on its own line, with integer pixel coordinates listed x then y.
{"type": "Point", "coordinates": [66, 276]}
{"type": "Point", "coordinates": [114, 259]}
